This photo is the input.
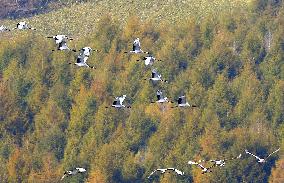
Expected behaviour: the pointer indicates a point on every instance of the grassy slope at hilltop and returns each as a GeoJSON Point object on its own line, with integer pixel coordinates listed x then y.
{"type": "Point", "coordinates": [81, 18]}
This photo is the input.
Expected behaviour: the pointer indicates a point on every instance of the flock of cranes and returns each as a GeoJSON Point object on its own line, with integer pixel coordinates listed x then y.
{"type": "Point", "coordinates": [215, 163]}
{"type": "Point", "coordinates": [204, 169]}
{"type": "Point", "coordinates": [84, 54]}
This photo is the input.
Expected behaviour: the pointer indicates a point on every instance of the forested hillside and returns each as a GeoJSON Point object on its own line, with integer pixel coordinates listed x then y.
{"type": "Point", "coordinates": [53, 115]}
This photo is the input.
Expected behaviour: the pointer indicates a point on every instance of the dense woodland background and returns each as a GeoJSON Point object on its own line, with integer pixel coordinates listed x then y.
{"type": "Point", "coordinates": [53, 116]}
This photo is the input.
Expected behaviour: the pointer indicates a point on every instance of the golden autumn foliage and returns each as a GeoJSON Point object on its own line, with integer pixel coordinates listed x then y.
{"type": "Point", "coordinates": [96, 176]}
